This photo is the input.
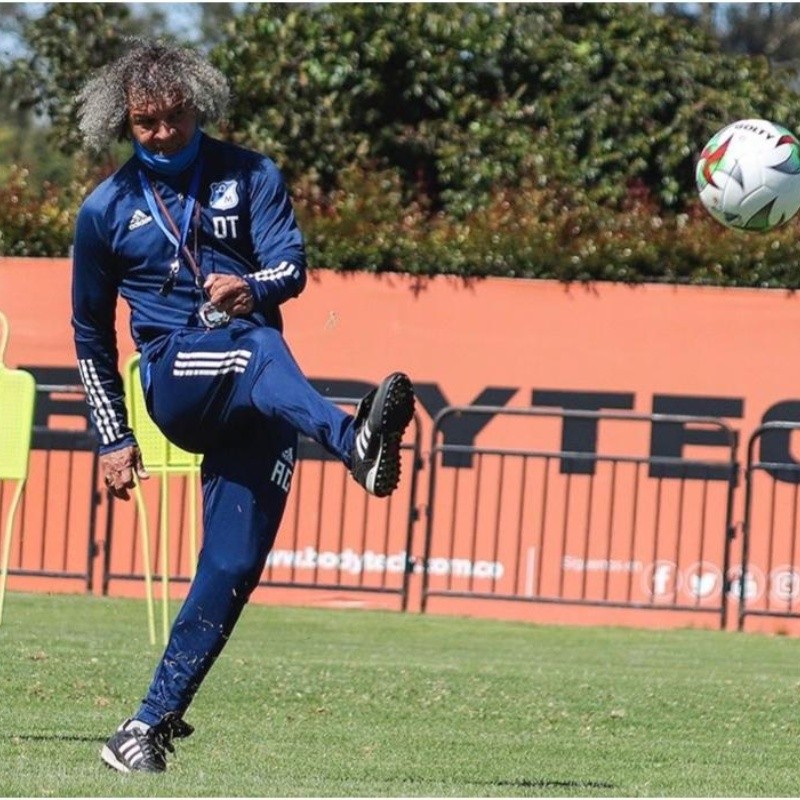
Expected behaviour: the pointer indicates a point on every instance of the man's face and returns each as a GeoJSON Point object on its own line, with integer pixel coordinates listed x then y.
{"type": "Point", "coordinates": [162, 126]}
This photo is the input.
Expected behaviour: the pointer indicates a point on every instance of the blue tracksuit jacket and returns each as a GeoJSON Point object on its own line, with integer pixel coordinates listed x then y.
{"type": "Point", "coordinates": [247, 228]}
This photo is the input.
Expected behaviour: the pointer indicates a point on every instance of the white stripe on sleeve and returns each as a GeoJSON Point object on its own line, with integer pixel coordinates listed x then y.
{"type": "Point", "coordinates": [108, 425]}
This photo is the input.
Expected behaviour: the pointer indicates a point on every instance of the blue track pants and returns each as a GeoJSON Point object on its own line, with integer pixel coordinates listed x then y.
{"type": "Point", "coordinates": [236, 395]}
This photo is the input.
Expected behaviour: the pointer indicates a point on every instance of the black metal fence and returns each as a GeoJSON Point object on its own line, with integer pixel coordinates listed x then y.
{"type": "Point", "coordinates": [582, 527]}
{"type": "Point", "coordinates": [333, 536]}
{"type": "Point", "coordinates": [769, 583]}
{"type": "Point", "coordinates": [546, 506]}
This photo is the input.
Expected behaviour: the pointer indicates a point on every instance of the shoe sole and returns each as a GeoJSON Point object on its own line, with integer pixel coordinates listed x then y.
{"type": "Point", "coordinates": [111, 761]}
{"type": "Point", "coordinates": [395, 402]}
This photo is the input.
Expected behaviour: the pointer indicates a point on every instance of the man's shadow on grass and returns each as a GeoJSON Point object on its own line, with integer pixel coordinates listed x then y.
{"type": "Point", "coordinates": [542, 783]}
{"type": "Point", "coordinates": [545, 784]}
{"type": "Point", "coordinates": [50, 737]}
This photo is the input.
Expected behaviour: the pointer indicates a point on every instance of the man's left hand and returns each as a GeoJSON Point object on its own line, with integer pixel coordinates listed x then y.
{"type": "Point", "coordinates": [229, 293]}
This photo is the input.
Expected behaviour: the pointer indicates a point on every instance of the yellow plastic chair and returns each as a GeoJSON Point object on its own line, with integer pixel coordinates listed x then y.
{"type": "Point", "coordinates": [17, 403]}
{"type": "Point", "coordinates": [162, 459]}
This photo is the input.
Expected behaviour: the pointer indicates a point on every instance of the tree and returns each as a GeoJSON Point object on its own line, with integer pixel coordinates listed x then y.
{"type": "Point", "coordinates": [464, 100]}
{"type": "Point", "coordinates": [63, 47]}
{"type": "Point", "coordinates": [757, 29]}
{"type": "Point", "coordinates": [415, 87]}
{"type": "Point", "coordinates": [214, 23]}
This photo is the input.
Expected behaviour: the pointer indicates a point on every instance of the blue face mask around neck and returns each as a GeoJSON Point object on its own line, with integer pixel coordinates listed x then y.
{"type": "Point", "coordinates": [173, 164]}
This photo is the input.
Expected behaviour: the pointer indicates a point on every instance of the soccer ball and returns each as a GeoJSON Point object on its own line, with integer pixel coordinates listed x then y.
{"type": "Point", "coordinates": [748, 175]}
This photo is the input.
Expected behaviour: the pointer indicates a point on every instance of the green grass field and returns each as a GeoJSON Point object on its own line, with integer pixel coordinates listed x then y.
{"type": "Point", "coordinates": [308, 702]}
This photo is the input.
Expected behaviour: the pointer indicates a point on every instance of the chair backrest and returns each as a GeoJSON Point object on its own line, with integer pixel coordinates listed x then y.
{"type": "Point", "coordinates": [158, 453]}
{"type": "Point", "coordinates": [17, 403]}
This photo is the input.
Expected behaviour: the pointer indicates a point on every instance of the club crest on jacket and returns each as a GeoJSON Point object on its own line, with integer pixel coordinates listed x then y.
{"type": "Point", "coordinates": [224, 195]}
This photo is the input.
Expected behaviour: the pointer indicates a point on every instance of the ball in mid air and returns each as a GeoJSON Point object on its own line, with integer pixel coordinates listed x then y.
{"type": "Point", "coordinates": [748, 175]}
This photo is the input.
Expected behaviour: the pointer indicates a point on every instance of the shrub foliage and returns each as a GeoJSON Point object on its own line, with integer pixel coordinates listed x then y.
{"type": "Point", "coordinates": [538, 140]}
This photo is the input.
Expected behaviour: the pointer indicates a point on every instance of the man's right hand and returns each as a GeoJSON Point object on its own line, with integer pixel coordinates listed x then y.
{"type": "Point", "coordinates": [229, 293]}
{"type": "Point", "coordinates": [120, 470]}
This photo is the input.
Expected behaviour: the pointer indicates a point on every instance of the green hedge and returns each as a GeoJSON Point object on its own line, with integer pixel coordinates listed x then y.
{"type": "Point", "coordinates": [530, 232]}
{"type": "Point", "coordinates": [35, 222]}
{"type": "Point", "coordinates": [539, 233]}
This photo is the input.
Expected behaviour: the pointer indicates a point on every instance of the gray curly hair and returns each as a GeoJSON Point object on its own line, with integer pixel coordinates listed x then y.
{"type": "Point", "coordinates": [150, 70]}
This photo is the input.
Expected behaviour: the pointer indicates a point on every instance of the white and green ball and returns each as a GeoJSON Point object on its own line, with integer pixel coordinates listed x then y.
{"type": "Point", "coordinates": [748, 175]}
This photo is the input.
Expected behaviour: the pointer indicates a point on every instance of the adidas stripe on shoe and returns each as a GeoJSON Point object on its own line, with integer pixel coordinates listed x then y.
{"type": "Point", "coordinates": [381, 419]}
{"type": "Point", "coordinates": [138, 747]}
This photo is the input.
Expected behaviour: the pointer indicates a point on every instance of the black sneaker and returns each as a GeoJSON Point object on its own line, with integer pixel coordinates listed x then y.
{"type": "Point", "coordinates": [381, 418]}
{"type": "Point", "coordinates": [138, 747]}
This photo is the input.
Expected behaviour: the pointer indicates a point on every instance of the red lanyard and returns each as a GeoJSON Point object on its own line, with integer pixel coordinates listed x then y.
{"type": "Point", "coordinates": [191, 258]}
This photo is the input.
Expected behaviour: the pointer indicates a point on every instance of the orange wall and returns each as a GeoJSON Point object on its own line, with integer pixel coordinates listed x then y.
{"type": "Point", "coordinates": [463, 336]}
